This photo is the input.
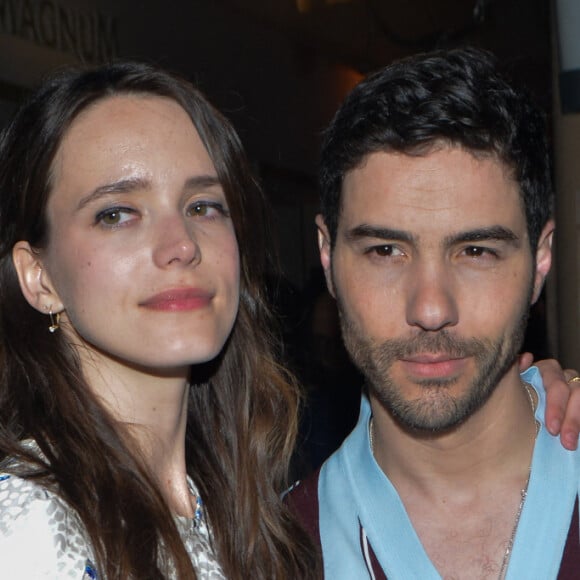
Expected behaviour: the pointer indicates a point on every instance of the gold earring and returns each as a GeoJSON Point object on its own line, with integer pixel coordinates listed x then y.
{"type": "Point", "coordinates": [54, 321]}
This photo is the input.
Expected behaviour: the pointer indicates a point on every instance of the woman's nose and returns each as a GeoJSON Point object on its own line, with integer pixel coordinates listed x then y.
{"type": "Point", "coordinates": [176, 244]}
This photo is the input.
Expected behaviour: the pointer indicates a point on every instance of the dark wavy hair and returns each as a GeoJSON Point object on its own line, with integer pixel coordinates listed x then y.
{"type": "Point", "coordinates": [243, 406]}
{"type": "Point", "coordinates": [454, 97]}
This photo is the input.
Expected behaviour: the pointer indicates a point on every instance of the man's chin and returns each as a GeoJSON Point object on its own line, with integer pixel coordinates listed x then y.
{"type": "Point", "coordinates": [435, 411]}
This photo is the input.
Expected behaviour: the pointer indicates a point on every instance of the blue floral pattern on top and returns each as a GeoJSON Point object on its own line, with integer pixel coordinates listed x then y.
{"type": "Point", "coordinates": [42, 537]}
{"type": "Point", "coordinates": [90, 571]}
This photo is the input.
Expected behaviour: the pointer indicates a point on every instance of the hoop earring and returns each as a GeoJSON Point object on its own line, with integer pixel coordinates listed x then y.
{"type": "Point", "coordinates": [54, 321]}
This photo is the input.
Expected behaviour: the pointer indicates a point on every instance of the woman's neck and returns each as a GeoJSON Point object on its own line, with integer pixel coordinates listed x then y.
{"type": "Point", "coordinates": [152, 409]}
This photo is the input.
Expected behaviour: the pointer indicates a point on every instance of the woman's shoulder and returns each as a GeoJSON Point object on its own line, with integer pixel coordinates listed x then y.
{"type": "Point", "coordinates": [22, 499]}
{"type": "Point", "coordinates": [41, 536]}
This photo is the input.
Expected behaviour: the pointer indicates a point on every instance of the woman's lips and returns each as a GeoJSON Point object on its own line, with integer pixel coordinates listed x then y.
{"type": "Point", "coordinates": [178, 299]}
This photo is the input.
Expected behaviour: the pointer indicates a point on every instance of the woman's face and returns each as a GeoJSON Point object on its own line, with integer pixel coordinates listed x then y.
{"type": "Point", "coordinates": [142, 253]}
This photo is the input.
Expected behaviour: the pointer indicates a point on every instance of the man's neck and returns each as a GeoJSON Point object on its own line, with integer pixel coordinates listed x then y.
{"type": "Point", "coordinates": [497, 440]}
{"type": "Point", "coordinates": [464, 490]}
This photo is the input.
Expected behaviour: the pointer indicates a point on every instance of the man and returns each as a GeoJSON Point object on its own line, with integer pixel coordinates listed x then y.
{"type": "Point", "coordinates": [435, 238]}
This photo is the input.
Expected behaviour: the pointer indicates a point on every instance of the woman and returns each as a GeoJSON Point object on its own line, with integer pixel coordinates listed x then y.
{"type": "Point", "coordinates": [137, 374]}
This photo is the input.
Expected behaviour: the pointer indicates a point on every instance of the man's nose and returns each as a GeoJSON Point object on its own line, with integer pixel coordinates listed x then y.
{"type": "Point", "coordinates": [431, 303]}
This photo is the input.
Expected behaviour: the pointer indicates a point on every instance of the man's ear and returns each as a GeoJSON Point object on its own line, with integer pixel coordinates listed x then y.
{"type": "Point", "coordinates": [324, 246]}
{"type": "Point", "coordinates": [543, 258]}
{"type": "Point", "coordinates": [34, 279]}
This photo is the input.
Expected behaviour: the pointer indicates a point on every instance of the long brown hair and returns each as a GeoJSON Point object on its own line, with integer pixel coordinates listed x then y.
{"type": "Point", "coordinates": [243, 406]}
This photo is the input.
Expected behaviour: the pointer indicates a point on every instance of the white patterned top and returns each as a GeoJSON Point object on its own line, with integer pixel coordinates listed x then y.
{"type": "Point", "coordinates": [42, 537]}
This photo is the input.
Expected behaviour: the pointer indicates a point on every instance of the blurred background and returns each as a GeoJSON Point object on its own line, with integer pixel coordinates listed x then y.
{"type": "Point", "coordinates": [278, 69]}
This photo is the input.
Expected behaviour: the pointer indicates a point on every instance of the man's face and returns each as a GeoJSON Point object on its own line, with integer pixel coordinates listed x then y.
{"type": "Point", "coordinates": [433, 275]}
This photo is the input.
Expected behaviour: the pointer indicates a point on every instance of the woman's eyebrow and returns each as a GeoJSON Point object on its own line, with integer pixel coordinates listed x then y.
{"type": "Point", "coordinates": [121, 186]}
{"type": "Point", "coordinates": [202, 182]}
{"type": "Point", "coordinates": [195, 183]}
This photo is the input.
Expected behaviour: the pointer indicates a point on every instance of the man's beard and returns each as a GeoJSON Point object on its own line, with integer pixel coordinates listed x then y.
{"type": "Point", "coordinates": [437, 411]}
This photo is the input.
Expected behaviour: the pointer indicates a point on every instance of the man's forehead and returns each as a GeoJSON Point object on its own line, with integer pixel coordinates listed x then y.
{"type": "Point", "coordinates": [429, 149]}
{"type": "Point", "coordinates": [426, 163]}
{"type": "Point", "coordinates": [442, 179]}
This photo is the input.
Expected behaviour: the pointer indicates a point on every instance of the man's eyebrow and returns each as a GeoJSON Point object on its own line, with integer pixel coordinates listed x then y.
{"type": "Point", "coordinates": [492, 233]}
{"type": "Point", "coordinates": [382, 233]}
{"type": "Point", "coordinates": [198, 182]}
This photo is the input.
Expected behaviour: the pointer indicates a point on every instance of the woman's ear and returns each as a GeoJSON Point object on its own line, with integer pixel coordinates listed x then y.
{"type": "Point", "coordinates": [34, 280]}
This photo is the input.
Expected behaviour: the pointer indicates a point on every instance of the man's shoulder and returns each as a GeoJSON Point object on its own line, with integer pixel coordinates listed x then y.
{"type": "Point", "coordinates": [302, 499]}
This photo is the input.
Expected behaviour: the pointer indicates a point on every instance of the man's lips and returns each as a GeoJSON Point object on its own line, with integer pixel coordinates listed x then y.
{"type": "Point", "coordinates": [178, 299]}
{"type": "Point", "coordinates": [429, 365]}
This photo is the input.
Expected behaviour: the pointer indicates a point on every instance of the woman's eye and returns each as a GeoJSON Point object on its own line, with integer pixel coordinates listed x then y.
{"type": "Point", "coordinates": [206, 209]}
{"type": "Point", "coordinates": [114, 216]}
{"type": "Point", "coordinates": [199, 209]}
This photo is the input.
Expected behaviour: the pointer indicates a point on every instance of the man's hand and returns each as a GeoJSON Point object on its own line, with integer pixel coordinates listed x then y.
{"type": "Point", "coordinates": [562, 399]}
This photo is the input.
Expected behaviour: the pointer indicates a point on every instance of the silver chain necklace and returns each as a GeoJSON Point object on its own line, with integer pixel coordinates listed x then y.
{"type": "Point", "coordinates": [523, 492]}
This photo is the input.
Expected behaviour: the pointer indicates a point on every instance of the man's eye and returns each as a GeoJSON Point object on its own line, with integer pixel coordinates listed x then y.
{"type": "Point", "coordinates": [478, 252]}
{"type": "Point", "coordinates": [386, 250]}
